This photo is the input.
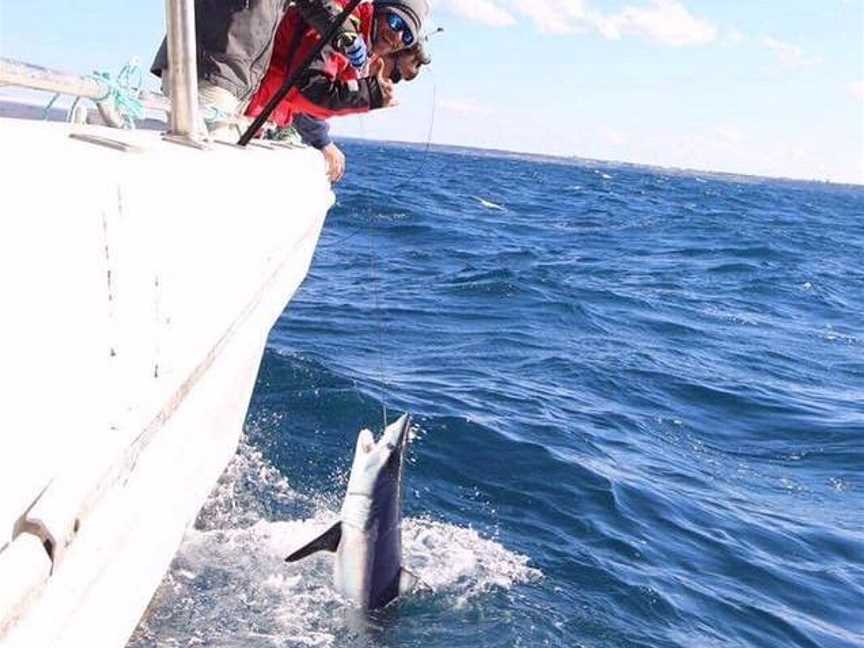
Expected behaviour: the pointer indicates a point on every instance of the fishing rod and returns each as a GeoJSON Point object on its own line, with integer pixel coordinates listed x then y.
{"type": "Point", "coordinates": [291, 81]}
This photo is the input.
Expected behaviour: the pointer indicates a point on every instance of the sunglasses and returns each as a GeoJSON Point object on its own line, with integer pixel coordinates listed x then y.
{"type": "Point", "coordinates": [398, 24]}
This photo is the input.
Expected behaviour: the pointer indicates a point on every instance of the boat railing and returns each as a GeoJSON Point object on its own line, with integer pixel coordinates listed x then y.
{"type": "Point", "coordinates": [26, 75]}
{"type": "Point", "coordinates": [182, 69]}
{"type": "Point", "coordinates": [182, 104]}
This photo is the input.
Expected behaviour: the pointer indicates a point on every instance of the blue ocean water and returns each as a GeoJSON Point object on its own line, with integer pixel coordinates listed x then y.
{"type": "Point", "coordinates": [639, 402]}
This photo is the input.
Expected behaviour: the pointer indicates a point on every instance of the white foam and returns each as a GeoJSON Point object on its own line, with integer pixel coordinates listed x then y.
{"type": "Point", "coordinates": [237, 499]}
{"type": "Point", "coordinates": [830, 334]}
{"type": "Point", "coordinates": [488, 205]}
{"type": "Point", "coordinates": [459, 563]}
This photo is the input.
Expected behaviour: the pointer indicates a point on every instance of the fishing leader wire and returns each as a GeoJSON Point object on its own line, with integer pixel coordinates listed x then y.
{"type": "Point", "coordinates": [376, 275]}
{"type": "Point", "coordinates": [374, 258]}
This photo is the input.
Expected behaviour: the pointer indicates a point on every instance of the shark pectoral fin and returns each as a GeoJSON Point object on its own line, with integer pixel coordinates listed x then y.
{"type": "Point", "coordinates": [327, 541]}
{"type": "Point", "coordinates": [410, 582]}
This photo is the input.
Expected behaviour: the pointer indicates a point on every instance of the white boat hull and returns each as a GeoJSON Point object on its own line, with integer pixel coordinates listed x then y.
{"type": "Point", "coordinates": [139, 291]}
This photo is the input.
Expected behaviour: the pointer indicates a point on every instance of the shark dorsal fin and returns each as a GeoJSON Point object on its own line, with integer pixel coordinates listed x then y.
{"type": "Point", "coordinates": [327, 541]}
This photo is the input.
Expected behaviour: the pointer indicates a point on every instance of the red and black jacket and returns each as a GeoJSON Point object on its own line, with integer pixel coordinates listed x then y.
{"type": "Point", "coordinates": [330, 86]}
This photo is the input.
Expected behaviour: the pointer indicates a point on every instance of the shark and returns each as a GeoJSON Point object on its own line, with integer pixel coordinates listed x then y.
{"type": "Point", "coordinates": [367, 538]}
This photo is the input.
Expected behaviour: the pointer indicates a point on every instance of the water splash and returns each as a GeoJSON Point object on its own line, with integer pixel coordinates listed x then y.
{"type": "Point", "coordinates": [229, 584]}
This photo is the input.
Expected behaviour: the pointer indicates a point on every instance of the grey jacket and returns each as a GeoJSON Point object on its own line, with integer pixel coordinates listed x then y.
{"type": "Point", "coordinates": [235, 38]}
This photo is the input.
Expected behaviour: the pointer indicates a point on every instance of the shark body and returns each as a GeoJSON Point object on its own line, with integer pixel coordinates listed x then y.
{"type": "Point", "coordinates": [367, 539]}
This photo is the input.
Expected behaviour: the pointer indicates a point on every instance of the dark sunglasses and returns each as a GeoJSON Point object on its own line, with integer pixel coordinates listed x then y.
{"type": "Point", "coordinates": [398, 24]}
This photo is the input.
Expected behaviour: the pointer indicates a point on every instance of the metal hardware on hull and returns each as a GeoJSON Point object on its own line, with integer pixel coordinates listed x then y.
{"type": "Point", "coordinates": [117, 145]}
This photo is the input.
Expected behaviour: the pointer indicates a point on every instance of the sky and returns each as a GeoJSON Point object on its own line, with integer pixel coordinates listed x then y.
{"type": "Point", "coordinates": [766, 87]}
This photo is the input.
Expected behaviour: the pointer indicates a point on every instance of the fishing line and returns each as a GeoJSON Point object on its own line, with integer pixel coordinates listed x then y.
{"type": "Point", "coordinates": [424, 158]}
{"type": "Point", "coordinates": [374, 260]}
{"type": "Point", "coordinates": [377, 278]}
{"type": "Point", "coordinates": [374, 286]}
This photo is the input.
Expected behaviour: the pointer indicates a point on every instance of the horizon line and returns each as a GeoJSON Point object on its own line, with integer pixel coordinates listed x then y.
{"type": "Point", "coordinates": [577, 158]}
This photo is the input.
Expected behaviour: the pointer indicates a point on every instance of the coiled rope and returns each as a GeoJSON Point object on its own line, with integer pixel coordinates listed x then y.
{"type": "Point", "coordinates": [122, 93]}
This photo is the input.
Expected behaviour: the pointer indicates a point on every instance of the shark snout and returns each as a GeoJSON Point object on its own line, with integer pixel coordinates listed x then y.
{"type": "Point", "coordinates": [396, 433]}
{"type": "Point", "coordinates": [372, 460]}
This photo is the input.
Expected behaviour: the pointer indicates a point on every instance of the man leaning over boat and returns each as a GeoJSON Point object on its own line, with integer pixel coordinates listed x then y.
{"type": "Point", "coordinates": [247, 48]}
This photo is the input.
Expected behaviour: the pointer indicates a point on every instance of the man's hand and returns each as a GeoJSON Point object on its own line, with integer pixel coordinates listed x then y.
{"type": "Point", "coordinates": [335, 162]}
{"type": "Point", "coordinates": [388, 91]}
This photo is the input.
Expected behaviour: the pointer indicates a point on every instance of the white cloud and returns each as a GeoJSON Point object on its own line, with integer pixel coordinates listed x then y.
{"type": "Point", "coordinates": [487, 12]}
{"type": "Point", "coordinates": [665, 22]}
{"type": "Point", "coordinates": [789, 55]}
{"type": "Point", "coordinates": [856, 88]}
{"type": "Point", "coordinates": [615, 137]}
{"type": "Point", "coordinates": [727, 135]}
{"type": "Point", "coordinates": [734, 37]}
{"type": "Point", "coordinates": [556, 16]}
{"type": "Point", "coordinates": [464, 107]}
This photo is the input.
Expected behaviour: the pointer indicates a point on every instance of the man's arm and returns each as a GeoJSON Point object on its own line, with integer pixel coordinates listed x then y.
{"type": "Point", "coordinates": [318, 90]}
{"type": "Point", "coordinates": [316, 133]}
{"type": "Point", "coordinates": [338, 97]}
